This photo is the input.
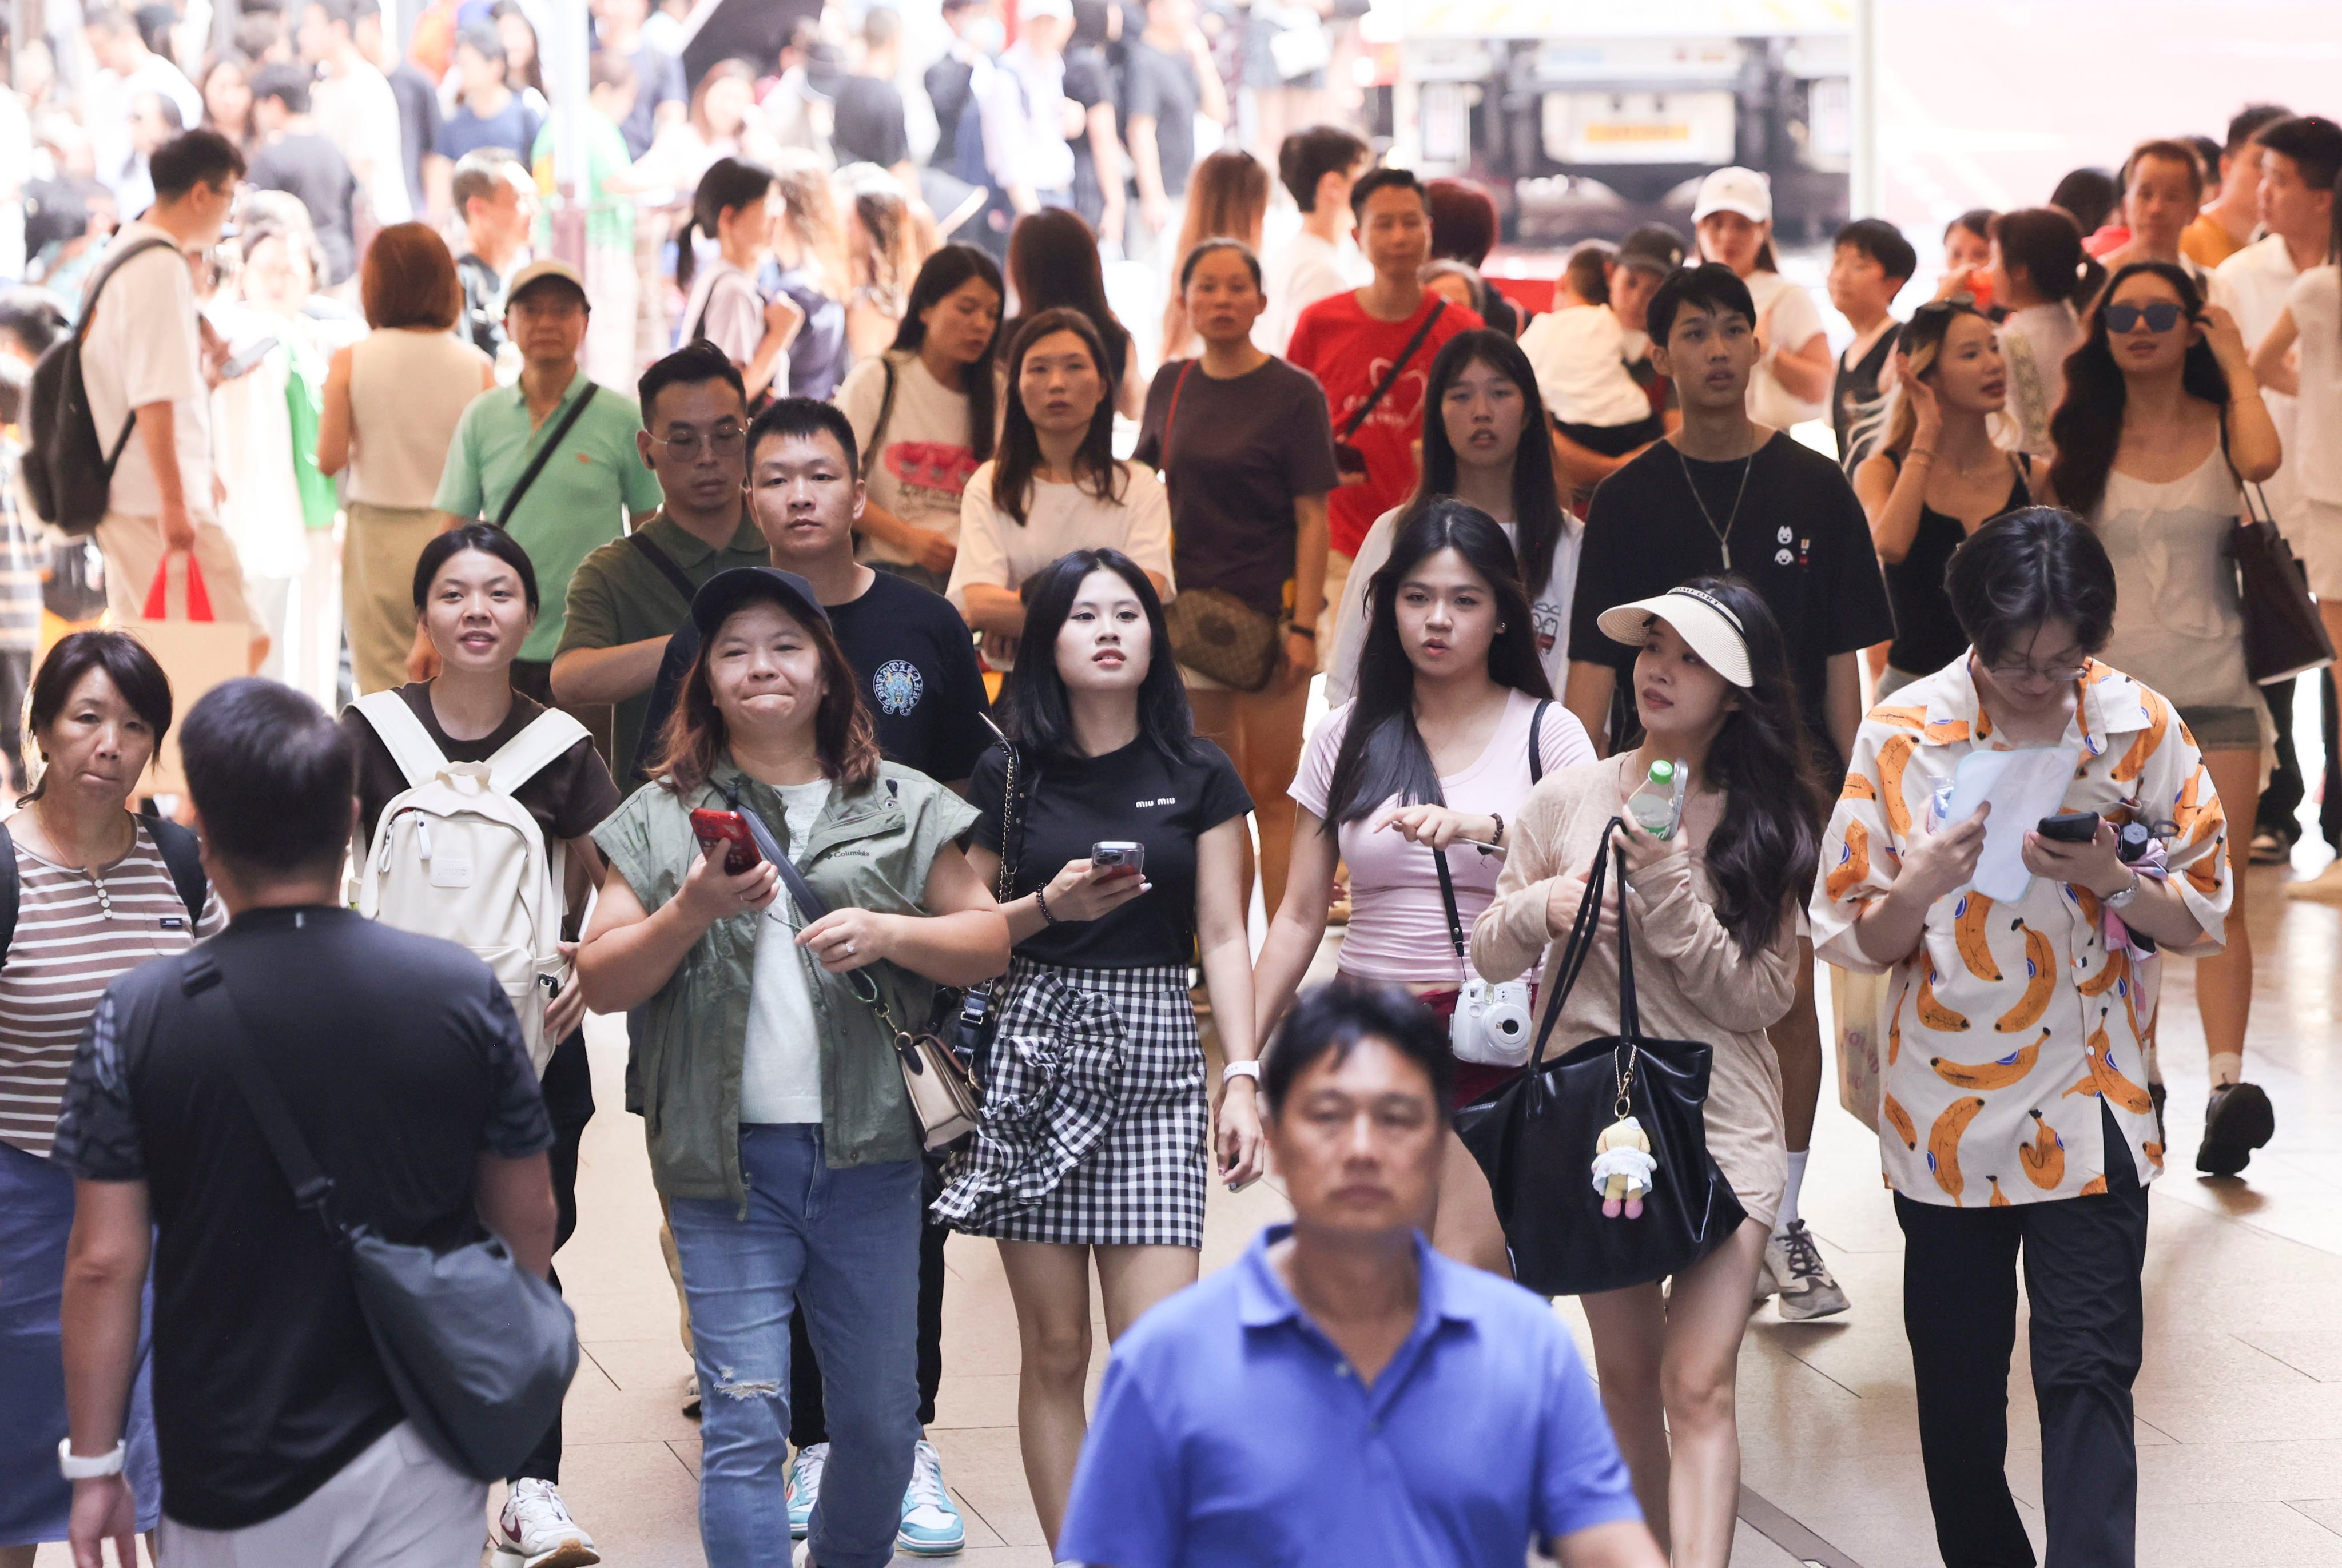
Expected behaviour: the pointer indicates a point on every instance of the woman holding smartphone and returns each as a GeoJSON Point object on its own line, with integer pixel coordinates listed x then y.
{"type": "Point", "coordinates": [1095, 1136]}
{"type": "Point", "coordinates": [1715, 913]}
{"type": "Point", "coordinates": [1452, 726]}
{"type": "Point", "coordinates": [780, 1133]}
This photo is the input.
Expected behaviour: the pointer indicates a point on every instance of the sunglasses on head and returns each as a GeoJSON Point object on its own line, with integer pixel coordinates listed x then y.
{"type": "Point", "coordinates": [2161, 316]}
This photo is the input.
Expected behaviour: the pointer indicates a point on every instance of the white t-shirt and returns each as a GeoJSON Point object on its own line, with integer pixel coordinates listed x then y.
{"type": "Point", "coordinates": [995, 548]}
{"type": "Point", "coordinates": [1580, 355]}
{"type": "Point", "coordinates": [923, 464]}
{"type": "Point", "coordinates": [358, 114]}
{"type": "Point", "coordinates": [726, 309]}
{"type": "Point", "coordinates": [780, 1065]}
{"type": "Point", "coordinates": [144, 346]}
{"type": "Point", "coordinates": [1305, 270]}
{"type": "Point", "coordinates": [2252, 285]}
{"type": "Point", "coordinates": [2316, 300]}
{"type": "Point", "coordinates": [1550, 609]}
{"type": "Point", "coordinates": [1788, 319]}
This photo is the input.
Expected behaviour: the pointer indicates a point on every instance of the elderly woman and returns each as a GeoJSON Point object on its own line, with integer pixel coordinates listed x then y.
{"type": "Point", "coordinates": [2016, 1116]}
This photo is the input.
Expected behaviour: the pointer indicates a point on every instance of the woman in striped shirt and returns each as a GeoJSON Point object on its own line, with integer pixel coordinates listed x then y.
{"type": "Point", "coordinates": [100, 890]}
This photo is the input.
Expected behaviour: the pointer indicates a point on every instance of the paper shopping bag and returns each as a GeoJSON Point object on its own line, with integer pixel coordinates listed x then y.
{"type": "Point", "coordinates": [1858, 1007]}
{"type": "Point", "coordinates": [196, 651]}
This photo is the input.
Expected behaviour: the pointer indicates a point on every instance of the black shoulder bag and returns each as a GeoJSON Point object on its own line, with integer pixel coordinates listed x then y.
{"type": "Point", "coordinates": [479, 1349]}
{"type": "Point", "coordinates": [1348, 460]}
{"type": "Point", "coordinates": [1536, 1136]}
{"type": "Point", "coordinates": [544, 453]}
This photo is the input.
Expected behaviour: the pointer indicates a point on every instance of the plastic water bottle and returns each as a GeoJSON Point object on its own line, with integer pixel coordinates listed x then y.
{"type": "Point", "coordinates": [1658, 804]}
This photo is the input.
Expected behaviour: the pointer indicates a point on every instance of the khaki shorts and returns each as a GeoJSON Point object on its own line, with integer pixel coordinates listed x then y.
{"type": "Point", "coordinates": [396, 1505]}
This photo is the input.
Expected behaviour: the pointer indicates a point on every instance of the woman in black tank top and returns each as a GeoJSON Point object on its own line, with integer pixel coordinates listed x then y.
{"type": "Point", "coordinates": [1936, 476]}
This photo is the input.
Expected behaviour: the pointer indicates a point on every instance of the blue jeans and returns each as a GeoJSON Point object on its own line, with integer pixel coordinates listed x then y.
{"type": "Point", "coordinates": [845, 1245]}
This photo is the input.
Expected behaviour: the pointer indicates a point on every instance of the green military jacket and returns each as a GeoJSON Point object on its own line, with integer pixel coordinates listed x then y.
{"type": "Point", "coordinates": [867, 851]}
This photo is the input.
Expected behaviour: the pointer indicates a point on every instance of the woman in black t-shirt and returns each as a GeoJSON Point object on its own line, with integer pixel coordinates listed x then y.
{"type": "Point", "coordinates": [1096, 1050]}
{"type": "Point", "coordinates": [1246, 447]}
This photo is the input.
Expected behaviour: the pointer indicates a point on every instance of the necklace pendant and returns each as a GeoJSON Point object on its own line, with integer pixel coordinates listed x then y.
{"type": "Point", "coordinates": [1728, 554]}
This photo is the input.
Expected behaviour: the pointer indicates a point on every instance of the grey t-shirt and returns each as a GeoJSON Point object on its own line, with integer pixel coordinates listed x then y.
{"type": "Point", "coordinates": [1163, 85]}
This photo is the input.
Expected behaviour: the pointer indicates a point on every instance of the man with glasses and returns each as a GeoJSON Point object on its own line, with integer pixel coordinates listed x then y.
{"type": "Point", "coordinates": [552, 461]}
{"type": "Point", "coordinates": [630, 594]}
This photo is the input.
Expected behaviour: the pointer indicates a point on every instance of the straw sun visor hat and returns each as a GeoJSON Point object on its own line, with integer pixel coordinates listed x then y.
{"type": "Point", "coordinates": [1703, 620]}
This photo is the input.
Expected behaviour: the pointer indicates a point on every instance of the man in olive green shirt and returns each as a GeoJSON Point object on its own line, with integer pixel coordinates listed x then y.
{"type": "Point", "coordinates": [628, 595]}
{"type": "Point", "coordinates": [584, 492]}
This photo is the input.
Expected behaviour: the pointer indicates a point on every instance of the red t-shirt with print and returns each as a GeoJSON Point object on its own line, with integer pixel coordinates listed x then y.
{"type": "Point", "coordinates": [1349, 352]}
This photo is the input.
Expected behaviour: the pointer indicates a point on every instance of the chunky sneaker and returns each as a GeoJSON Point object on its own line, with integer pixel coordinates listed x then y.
{"type": "Point", "coordinates": [931, 1525]}
{"type": "Point", "coordinates": [1768, 1280]}
{"type": "Point", "coordinates": [2238, 1120]}
{"type": "Point", "coordinates": [534, 1531]}
{"type": "Point", "coordinates": [803, 1487]}
{"type": "Point", "coordinates": [1808, 1291]}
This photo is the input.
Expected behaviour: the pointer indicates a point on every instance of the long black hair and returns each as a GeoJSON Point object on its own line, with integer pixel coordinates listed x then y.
{"type": "Point", "coordinates": [1767, 840]}
{"type": "Point", "coordinates": [2087, 427]}
{"type": "Point", "coordinates": [127, 663]}
{"type": "Point", "coordinates": [941, 275]}
{"type": "Point", "coordinates": [1094, 468]}
{"type": "Point", "coordinates": [1383, 753]}
{"type": "Point", "coordinates": [1053, 260]}
{"type": "Point", "coordinates": [1040, 715]}
{"type": "Point", "coordinates": [729, 183]}
{"type": "Point", "coordinates": [1538, 517]}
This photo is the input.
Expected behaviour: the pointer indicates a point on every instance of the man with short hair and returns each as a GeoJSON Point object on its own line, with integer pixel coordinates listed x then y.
{"type": "Point", "coordinates": [1168, 80]}
{"type": "Point", "coordinates": [1317, 166]}
{"type": "Point", "coordinates": [2162, 187]}
{"type": "Point", "coordinates": [1724, 494]}
{"type": "Point", "coordinates": [355, 106]}
{"type": "Point", "coordinates": [1344, 1394]}
{"type": "Point", "coordinates": [662, 96]}
{"type": "Point", "coordinates": [589, 481]}
{"type": "Point", "coordinates": [490, 115]}
{"type": "Point", "coordinates": [398, 1057]}
{"type": "Point", "coordinates": [911, 652]}
{"type": "Point", "coordinates": [1371, 349]}
{"type": "Point", "coordinates": [1870, 261]}
{"type": "Point", "coordinates": [126, 69]}
{"type": "Point", "coordinates": [950, 80]}
{"type": "Point", "coordinates": [143, 365]}
{"type": "Point", "coordinates": [867, 123]}
{"type": "Point", "coordinates": [418, 95]}
{"type": "Point", "coordinates": [496, 200]}
{"type": "Point", "coordinates": [631, 594]}
{"type": "Point", "coordinates": [153, 120]}
{"type": "Point", "coordinates": [2225, 224]}
{"type": "Point", "coordinates": [294, 157]}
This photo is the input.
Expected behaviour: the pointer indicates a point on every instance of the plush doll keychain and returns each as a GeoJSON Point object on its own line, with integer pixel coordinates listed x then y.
{"type": "Point", "coordinates": [1622, 1168]}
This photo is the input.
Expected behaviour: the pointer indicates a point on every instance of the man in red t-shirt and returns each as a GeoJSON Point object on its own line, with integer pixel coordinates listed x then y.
{"type": "Point", "coordinates": [1349, 342]}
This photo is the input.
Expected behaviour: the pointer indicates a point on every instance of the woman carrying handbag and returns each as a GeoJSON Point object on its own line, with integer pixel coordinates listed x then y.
{"type": "Point", "coordinates": [1714, 928]}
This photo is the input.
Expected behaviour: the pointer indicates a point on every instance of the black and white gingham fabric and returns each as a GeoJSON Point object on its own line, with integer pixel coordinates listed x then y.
{"type": "Point", "coordinates": [1096, 1122]}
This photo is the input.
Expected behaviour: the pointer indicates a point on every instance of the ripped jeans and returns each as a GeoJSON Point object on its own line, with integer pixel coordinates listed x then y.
{"type": "Point", "coordinates": [845, 1245]}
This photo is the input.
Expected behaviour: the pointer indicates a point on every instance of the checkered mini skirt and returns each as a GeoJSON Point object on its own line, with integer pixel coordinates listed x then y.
{"type": "Point", "coordinates": [1096, 1121]}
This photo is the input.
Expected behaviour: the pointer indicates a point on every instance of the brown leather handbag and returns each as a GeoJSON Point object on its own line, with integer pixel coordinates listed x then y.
{"type": "Point", "coordinates": [1213, 631]}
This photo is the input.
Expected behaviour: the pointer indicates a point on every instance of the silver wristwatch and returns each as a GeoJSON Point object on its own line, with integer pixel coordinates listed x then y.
{"type": "Point", "coordinates": [2122, 900]}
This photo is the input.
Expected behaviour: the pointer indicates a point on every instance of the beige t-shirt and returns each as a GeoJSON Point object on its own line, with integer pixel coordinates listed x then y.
{"type": "Point", "coordinates": [924, 460]}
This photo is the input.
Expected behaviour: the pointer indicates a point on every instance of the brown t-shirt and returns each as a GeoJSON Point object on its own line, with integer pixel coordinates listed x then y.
{"type": "Point", "coordinates": [569, 796]}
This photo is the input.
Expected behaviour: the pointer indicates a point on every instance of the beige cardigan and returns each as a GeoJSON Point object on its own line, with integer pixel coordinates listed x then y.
{"type": "Point", "coordinates": [1691, 981]}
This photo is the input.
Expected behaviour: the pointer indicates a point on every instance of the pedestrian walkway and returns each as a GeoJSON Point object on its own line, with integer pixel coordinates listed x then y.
{"type": "Point", "coordinates": [2240, 1407]}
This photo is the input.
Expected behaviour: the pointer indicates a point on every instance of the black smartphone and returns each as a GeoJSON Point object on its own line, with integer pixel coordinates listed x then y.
{"type": "Point", "coordinates": [2070, 826]}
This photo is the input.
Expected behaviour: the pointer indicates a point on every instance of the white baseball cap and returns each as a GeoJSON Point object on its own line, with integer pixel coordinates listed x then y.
{"type": "Point", "coordinates": [1735, 190]}
{"type": "Point", "coordinates": [1701, 619]}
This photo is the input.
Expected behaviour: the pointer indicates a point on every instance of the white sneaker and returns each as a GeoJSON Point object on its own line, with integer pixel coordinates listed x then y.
{"type": "Point", "coordinates": [801, 1489]}
{"type": "Point", "coordinates": [534, 1531]}
{"type": "Point", "coordinates": [1806, 1287]}
{"type": "Point", "coordinates": [931, 1526]}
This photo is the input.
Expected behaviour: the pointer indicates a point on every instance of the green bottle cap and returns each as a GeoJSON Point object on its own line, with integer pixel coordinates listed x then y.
{"type": "Point", "coordinates": [1663, 773]}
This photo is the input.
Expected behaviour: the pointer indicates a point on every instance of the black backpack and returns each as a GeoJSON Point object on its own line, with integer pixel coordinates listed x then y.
{"type": "Point", "coordinates": [68, 473]}
{"type": "Point", "coordinates": [181, 856]}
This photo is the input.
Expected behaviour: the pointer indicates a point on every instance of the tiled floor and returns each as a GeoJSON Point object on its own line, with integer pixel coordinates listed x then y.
{"type": "Point", "coordinates": [2240, 1407]}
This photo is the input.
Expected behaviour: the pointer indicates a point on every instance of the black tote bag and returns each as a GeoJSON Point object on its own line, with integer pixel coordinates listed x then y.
{"type": "Point", "coordinates": [1535, 1137]}
{"type": "Point", "coordinates": [2284, 634]}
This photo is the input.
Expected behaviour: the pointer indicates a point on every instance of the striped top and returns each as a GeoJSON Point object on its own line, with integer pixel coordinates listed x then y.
{"type": "Point", "coordinates": [72, 941]}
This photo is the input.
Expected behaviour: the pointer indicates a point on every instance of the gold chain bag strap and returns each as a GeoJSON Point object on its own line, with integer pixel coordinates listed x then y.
{"type": "Point", "coordinates": [1213, 631]}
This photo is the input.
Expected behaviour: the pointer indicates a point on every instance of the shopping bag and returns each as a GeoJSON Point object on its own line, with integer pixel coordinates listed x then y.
{"type": "Point", "coordinates": [1858, 1008]}
{"type": "Point", "coordinates": [196, 651]}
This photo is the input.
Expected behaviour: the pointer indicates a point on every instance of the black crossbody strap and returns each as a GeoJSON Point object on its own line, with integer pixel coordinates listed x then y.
{"type": "Point", "coordinates": [1536, 743]}
{"type": "Point", "coordinates": [886, 416]}
{"type": "Point", "coordinates": [88, 312]}
{"type": "Point", "coordinates": [1580, 943]}
{"type": "Point", "coordinates": [1390, 377]}
{"type": "Point", "coordinates": [544, 453]}
{"type": "Point", "coordinates": [810, 904]}
{"type": "Point", "coordinates": [666, 564]}
{"type": "Point", "coordinates": [1447, 897]}
{"type": "Point", "coordinates": [206, 984]}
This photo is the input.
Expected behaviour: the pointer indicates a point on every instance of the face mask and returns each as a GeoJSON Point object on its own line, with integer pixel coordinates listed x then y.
{"type": "Point", "coordinates": [989, 35]}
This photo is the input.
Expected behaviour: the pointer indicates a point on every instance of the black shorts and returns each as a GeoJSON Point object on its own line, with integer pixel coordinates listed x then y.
{"type": "Point", "coordinates": [1614, 440]}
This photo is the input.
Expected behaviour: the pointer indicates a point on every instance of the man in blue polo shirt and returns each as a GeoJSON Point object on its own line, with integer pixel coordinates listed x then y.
{"type": "Point", "coordinates": [1343, 1394]}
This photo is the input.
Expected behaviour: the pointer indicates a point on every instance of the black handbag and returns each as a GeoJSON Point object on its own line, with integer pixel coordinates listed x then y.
{"type": "Point", "coordinates": [2284, 634]}
{"type": "Point", "coordinates": [1535, 1136]}
{"type": "Point", "coordinates": [479, 1349]}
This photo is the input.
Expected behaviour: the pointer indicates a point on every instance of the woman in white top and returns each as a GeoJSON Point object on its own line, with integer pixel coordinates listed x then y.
{"type": "Point", "coordinates": [392, 404]}
{"type": "Point", "coordinates": [1055, 485]}
{"type": "Point", "coordinates": [725, 305]}
{"type": "Point", "coordinates": [1734, 220]}
{"type": "Point", "coordinates": [2161, 420]}
{"type": "Point", "coordinates": [1481, 397]}
{"type": "Point", "coordinates": [2036, 271]}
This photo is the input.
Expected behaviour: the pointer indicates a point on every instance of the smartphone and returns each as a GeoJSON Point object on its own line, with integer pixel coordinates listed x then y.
{"type": "Point", "coordinates": [1119, 855]}
{"type": "Point", "coordinates": [725, 827]}
{"type": "Point", "coordinates": [2070, 826]}
{"type": "Point", "coordinates": [243, 363]}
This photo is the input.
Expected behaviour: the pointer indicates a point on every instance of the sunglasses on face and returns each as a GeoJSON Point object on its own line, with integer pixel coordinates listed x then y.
{"type": "Point", "coordinates": [2162, 315]}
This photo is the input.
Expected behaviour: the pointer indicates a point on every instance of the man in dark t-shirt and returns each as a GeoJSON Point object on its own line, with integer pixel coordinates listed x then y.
{"type": "Point", "coordinates": [867, 125]}
{"type": "Point", "coordinates": [404, 1070]}
{"type": "Point", "coordinates": [294, 157]}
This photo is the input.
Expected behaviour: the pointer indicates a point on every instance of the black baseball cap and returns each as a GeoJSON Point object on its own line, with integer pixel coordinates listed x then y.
{"type": "Point", "coordinates": [728, 590]}
{"type": "Point", "coordinates": [1654, 247]}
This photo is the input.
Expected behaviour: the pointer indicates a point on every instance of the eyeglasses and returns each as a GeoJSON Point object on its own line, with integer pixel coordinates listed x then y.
{"type": "Point", "coordinates": [725, 441]}
{"type": "Point", "coordinates": [2057, 675]}
{"type": "Point", "coordinates": [2162, 315]}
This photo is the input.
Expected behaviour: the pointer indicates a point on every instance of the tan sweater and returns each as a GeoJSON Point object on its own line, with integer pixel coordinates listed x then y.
{"type": "Point", "coordinates": [1691, 981]}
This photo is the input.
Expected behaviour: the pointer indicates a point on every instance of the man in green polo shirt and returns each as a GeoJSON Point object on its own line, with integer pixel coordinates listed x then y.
{"type": "Point", "coordinates": [630, 594]}
{"type": "Point", "coordinates": [591, 479]}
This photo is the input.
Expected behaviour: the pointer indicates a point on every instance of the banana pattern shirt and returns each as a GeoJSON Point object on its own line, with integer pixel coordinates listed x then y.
{"type": "Point", "coordinates": [2012, 1023]}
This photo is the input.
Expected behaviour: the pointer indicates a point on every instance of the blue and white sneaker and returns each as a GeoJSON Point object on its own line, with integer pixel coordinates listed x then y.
{"type": "Point", "coordinates": [803, 1487]}
{"type": "Point", "coordinates": [931, 1526]}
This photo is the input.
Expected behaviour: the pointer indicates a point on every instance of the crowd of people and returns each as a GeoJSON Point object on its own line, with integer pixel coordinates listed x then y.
{"type": "Point", "coordinates": [668, 611]}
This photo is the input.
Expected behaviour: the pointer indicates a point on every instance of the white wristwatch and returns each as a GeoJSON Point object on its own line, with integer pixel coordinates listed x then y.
{"type": "Point", "coordinates": [81, 1467]}
{"type": "Point", "coordinates": [1235, 1070]}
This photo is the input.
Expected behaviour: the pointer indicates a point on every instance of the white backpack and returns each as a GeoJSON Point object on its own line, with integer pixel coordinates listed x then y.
{"type": "Point", "coordinates": [457, 857]}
